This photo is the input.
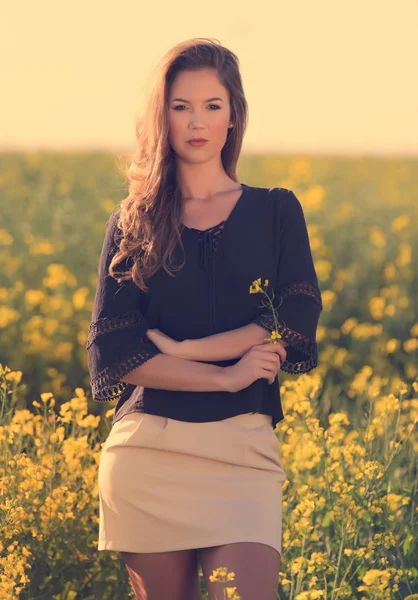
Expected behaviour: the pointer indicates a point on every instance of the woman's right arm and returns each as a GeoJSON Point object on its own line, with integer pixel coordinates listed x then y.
{"type": "Point", "coordinates": [166, 372]}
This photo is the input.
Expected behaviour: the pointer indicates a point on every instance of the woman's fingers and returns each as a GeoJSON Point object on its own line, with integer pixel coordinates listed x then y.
{"type": "Point", "coordinates": [275, 347]}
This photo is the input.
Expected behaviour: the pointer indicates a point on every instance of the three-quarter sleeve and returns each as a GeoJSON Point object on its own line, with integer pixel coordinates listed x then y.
{"type": "Point", "coordinates": [114, 344]}
{"type": "Point", "coordinates": [297, 298]}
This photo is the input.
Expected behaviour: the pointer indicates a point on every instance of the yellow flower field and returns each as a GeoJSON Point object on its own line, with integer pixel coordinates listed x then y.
{"type": "Point", "coordinates": [349, 439]}
{"type": "Point", "coordinates": [349, 512]}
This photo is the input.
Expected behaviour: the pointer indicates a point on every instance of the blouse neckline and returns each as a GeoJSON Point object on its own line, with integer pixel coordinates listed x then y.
{"type": "Point", "coordinates": [225, 221]}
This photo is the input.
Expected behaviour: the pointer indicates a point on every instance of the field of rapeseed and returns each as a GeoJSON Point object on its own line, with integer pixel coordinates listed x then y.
{"type": "Point", "coordinates": [349, 439]}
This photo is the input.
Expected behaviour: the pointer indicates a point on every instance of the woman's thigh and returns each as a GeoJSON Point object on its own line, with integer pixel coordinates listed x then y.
{"type": "Point", "coordinates": [164, 575]}
{"type": "Point", "coordinates": [256, 567]}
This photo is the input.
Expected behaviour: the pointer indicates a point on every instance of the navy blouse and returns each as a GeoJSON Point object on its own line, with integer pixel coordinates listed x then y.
{"type": "Point", "coordinates": [264, 237]}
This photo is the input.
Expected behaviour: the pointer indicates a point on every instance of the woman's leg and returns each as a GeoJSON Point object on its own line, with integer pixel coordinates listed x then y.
{"type": "Point", "coordinates": [256, 567]}
{"type": "Point", "coordinates": [164, 575]}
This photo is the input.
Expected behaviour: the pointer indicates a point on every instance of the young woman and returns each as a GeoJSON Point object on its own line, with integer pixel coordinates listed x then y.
{"type": "Point", "coordinates": [190, 472]}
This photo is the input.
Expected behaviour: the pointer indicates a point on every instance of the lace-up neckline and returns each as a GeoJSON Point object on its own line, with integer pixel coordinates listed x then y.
{"type": "Point", "coordinates": [231, 214]}
{"type": "Point", "coordinates": [208, 238]}
{"type": "Point", "coordinates": [208, 241]}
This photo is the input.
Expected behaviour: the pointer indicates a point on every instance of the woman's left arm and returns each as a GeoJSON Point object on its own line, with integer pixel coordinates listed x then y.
{"type": "Point", "coordinates": [219, 346]}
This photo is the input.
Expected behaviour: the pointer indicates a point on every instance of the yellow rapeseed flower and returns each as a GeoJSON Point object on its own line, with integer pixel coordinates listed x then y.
{"type": "Point", "coordinates": [400, 223]}
{"type": "Point", "coordinates": [6, 239]}
{"type": "Point", "coordinates": [45, 396]}
{"type": "Point", "coordinates": [80, 296]}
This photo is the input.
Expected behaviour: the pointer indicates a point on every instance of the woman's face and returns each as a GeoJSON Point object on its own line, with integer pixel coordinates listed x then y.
{"type": "Point", "coordinates": [198, 107]}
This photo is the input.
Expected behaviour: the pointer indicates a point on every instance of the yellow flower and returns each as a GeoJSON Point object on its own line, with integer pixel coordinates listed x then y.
{"type": "Point", "coordinates": [46, 396]}
{"type": "Point", "coordinates": [255, 287]}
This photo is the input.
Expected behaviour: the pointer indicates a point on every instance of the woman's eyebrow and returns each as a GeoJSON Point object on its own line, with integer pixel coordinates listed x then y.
{"type": "Point", "coordinates": [183, 100]}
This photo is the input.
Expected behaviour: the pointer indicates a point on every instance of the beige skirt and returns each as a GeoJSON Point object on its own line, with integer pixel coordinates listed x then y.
{"type": "Point", "coordinates": [172, 485]}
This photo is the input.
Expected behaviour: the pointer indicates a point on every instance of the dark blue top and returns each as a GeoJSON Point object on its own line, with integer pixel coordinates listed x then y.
{"type": "Point", "coordinates": [264, 237]}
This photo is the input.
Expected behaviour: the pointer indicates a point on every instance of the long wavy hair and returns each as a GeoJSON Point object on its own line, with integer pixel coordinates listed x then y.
{"type": "Point", "coordinates": [149, 223]}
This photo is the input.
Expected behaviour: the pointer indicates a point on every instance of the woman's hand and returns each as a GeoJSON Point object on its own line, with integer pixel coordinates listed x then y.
{"type": "Point", "coordinates": [260, 362]}
{"type": "Point", "coordinates": [165, 343]}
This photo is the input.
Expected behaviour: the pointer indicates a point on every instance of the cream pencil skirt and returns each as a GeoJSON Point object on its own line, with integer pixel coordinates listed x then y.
{"type": "Point", "coordinates": [172, 485]}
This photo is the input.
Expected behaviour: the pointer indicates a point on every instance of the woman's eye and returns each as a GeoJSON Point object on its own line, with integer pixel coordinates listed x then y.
{"type": "Point", "coordinates": [183, 106]}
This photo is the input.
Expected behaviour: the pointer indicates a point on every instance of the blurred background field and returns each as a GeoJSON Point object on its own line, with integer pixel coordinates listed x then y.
{"type": "Point", "coordinates": [362, 217]}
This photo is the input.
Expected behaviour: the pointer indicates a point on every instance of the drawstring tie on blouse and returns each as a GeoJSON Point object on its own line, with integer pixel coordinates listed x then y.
{"type": "Point", "coordinates": [205, 247]}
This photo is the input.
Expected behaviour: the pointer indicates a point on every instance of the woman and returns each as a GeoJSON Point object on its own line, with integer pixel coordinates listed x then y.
{"type": "Point", "coordinates": [190, 472]}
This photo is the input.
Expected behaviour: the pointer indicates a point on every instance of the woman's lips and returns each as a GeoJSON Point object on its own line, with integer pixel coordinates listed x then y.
{"type": "Point", "coordinates": [197, 143]}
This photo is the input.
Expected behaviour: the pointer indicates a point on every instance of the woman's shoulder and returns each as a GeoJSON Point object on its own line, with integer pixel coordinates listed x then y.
{"type": "Point", "coordinates": [275, 197]}
{"type": "Point", "coordinates": [113, 218]}
{"type": "Point", "coordinates": [276, 192]}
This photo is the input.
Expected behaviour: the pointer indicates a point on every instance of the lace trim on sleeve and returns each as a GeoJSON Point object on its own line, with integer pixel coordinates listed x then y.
{"type": "Point", "coordinates": [297, 341]}
{"type": "Point", "coordinates": [293, 338]}
{"type": "Point", "coordinates": [106, 386]}
{"type": "Point", "coordinates": [303, 288]}
{"type": "Point", "coordinates": [133, 318]}
{"type": "Point", "coordinates": [301, 366]}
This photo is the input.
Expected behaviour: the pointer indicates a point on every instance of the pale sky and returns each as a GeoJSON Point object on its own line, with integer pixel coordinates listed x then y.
{"type": "Point", "coordinates": [320, 76]}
